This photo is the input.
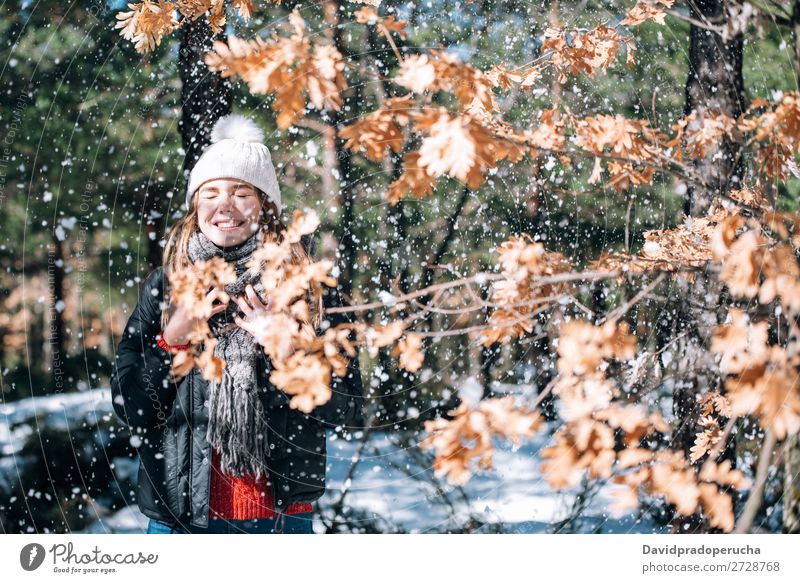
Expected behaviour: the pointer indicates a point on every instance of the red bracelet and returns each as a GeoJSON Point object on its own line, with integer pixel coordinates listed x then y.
{"type": "Point", "coordinates": [163, 344]}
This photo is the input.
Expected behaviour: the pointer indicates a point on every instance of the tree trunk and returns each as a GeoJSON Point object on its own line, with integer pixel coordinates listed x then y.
{"type": "Point", "coordinates": [791, 486]}
{"type": "Point", "coordinates": [791, 455]}
{"type": "Point", "coordinates": [796, 35]}
{"type": "Point", "coordinates": [715, 86]}
{"type": "Point", "coordinates": [205, 96]}
{"type": "Point", "coordinates": [346, 226]}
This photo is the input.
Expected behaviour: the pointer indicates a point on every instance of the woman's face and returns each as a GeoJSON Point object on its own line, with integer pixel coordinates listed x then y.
{"type": "Point", "coordinates": [228, 211]}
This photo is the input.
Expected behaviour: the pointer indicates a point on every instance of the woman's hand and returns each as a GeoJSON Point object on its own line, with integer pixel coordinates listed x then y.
{"type": "Point", "coordinates": [181, 322]}
{"type": "Point", "coordinates": [257, 314]}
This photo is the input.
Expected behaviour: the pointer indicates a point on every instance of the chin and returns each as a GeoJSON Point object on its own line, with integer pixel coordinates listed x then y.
{"type": "Point", "coordinates": [223, 240]}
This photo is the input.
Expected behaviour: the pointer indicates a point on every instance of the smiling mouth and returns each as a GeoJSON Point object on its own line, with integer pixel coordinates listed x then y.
{"type": "Point", "coordinates": [228, 225]}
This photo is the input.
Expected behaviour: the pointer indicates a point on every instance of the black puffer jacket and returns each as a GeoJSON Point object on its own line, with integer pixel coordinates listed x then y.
{"type": "Point", "coordinates": [168, 421]}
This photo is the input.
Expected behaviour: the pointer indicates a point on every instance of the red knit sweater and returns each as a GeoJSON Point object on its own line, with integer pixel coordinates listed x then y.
{"type": "Point", "coordinates": [242, 497]}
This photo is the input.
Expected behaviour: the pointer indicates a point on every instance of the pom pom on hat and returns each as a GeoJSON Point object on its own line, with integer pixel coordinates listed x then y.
{"type": "Point", "coordinates": [236, 127]}
{"type": "Point", "coordinates": [236, 151]}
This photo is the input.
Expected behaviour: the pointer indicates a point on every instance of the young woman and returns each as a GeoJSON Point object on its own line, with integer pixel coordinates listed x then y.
{"type": "Point", "coordinates": [229, 456]}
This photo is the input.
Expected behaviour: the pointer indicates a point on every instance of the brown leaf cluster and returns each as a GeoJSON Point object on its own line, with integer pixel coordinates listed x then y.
{"type": "Point", "coordinates": [149, 21]}
{"type": "Point", "coordinates": [549, 136]}
{"type": "Point", "coordinates": [594, 424]}
{"type": "Point", "coordinates": [755, 263]}
{"type": "Point", "coordinates": [409, 349]}
{"type": "Point", "coordinates": [763, 379]}
{"type": "Point", "coordinates": [632, 145]}
{"type": "Point", "coordinates": [668, 474]}
{"type": "Point", "coordinates": [586, 441]}
{"type": "Point", "coordinates": [583, 353]}
{"type": "Point", "coordinates": [713, 407]}
{"type": "Point", "coordinates": [584, 444]}
{"type": "Point", "coordinates": [459, 147]}
{"type": "Point", "coordinates": [582, 346]}
{"type": "Point", "coordinates": [440, 70]}
{"type": "Point", "coordinates": [369, 15]}
{"type": "Point", "coordinates": [697, 133]}
{"type": "Point", "coordinates": [687, 245]}
{"type": "Point", "coordinates": [647, 10]}
{"type": "Point", "coordinates": [621, 262]}
{"type": "Point", "coordinates": [188, 290]}
{"type": "Point", "coordinates": [519, 294]}
{"type": "Point", "coordinates": [466, 146]}
{"type": "Point", "coordinates": [751, 198]}
{"type": "Point", "coordinates": [296, 70]}
{"type": "Point", "coordinates": [306, 378]}
{"type": "Point", "coordinates": [577, 52]}
{"type": "Point", "coordinates": [758, 260]}
{"type": "Point", "coordinates": [470, 433]}
{"type": "Point", "coordinates": [380, 336]}
{"type": "Point", "coordinates": [777, 130]}
{"type": "Point", "coordinates": [380, 129]}
{"type": "Point", "coordinates": [414, 180]}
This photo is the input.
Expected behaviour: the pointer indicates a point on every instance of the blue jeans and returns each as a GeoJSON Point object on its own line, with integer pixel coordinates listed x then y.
{"type": "Point", "coordinates": [285, 523]}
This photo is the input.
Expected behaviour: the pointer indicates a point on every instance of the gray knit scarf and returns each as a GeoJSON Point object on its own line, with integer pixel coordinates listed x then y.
{"type": "Point", "coordinates": [236, 424]}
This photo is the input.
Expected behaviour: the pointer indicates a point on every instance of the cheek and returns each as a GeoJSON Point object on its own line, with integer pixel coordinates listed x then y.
{"type": "Point", "coordinates": [204, 212]}
{"type": "Point", "coordinates": [250, 212]}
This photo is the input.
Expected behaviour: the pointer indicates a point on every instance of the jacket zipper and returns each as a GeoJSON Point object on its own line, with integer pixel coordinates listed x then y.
{"type": "Point", "coordinates": [274, 487]}
{"type": "Point", "coordinates": [273, 478]}
{"type": "Point", "coordinates": [191, 444]}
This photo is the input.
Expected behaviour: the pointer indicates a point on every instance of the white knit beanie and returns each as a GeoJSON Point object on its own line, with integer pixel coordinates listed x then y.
{"type": "Point", "coordinates": [236, 151]}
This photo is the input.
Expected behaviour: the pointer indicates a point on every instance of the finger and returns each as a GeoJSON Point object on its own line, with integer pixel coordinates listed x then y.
{"type": "Point", "coordinates": [252, 296]}
{"type": "Point", "coordinates": [219, 308]}
{"type": "Point", "coordinates": [244, 297]}
{"type": "Point", "coordinates": [217, 294]}
{"type": "Point", "coordinates": [265, 302]}
{"type": "Point", "coordinates": [211, 302]}
{"type": "Point", "coordinates": [216, 298]}
{"type": "Point", "coordinates": [243, 305]}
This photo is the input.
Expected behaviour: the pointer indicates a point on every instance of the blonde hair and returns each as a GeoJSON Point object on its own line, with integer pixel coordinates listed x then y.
{"type": "Point", "coordinates": [176, 250]}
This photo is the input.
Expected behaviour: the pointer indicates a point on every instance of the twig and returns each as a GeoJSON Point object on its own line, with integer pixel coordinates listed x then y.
{"type": "Point", "coordinates": [699, 24]}
{"type": "Point", "coordinates": [477, 278]}
{"type": "Point", "coordinates": [388, 36]}
{"type": "Point", "coordinates": [631, 201]}
{"type": "Point", "coordinates": [624, 308]}
{"type": "Point", "coordinates": [757, 493]}
{"type": "Point", "coordinates": [478, 328]}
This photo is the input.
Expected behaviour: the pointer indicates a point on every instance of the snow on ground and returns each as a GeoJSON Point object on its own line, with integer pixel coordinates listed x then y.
{"type": "Point", "coordinates": [127, 521]}
{"type": "Point", "coordinates": [514, 493]}
{"type": "Point", "coordinates": [387, 486]}
{"type": "Point", "coordinates": [18, 419]}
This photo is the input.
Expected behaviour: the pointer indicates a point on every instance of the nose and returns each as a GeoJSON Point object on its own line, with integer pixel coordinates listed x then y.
{"type": "Point", "coordinates": [225, 200]}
